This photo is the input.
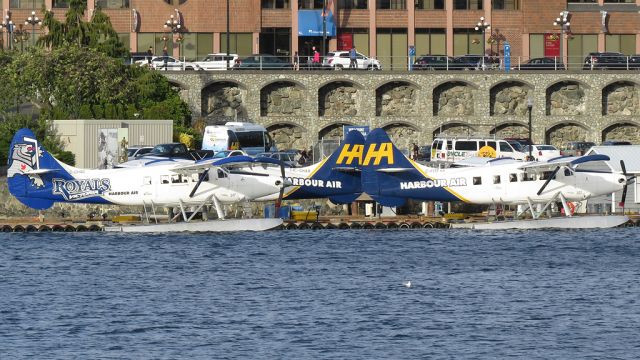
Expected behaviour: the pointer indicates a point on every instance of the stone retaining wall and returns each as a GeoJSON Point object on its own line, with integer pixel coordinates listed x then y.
{"type": "Point", "coordinates": [299, 108]}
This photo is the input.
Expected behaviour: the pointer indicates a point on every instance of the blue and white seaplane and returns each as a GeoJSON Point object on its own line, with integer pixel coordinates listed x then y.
{"type": "Point", "coordinates": [391, 178]}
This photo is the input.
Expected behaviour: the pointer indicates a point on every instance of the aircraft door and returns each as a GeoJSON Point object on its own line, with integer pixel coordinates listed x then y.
{"type": "Point", "coordinates": [147, 189]}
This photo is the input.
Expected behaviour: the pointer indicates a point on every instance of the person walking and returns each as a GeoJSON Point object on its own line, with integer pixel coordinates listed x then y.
{"type": "Point", "coordinates": [353, 55]}
{"type": "Point", "coordinates": [149, 55]}
{"type": "Point", "coordinates": [296, 61]}
{"type": "Point", "coordinates": [165, 57]}
{"type": "Point", "coordinates": [316, 58]}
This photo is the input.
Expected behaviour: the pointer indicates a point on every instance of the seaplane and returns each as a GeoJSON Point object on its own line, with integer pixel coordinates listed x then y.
{"type": "Point", "coordinates": [390, 178]}
{"type": "Point", "coordinates": [38, 180]}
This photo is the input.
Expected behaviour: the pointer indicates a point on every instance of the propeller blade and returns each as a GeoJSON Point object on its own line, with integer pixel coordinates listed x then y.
{"type": "Point", "coordinates": [624, 197]}
{"type": "Point", "coordinates": [200, 179]}
{"type": "Point", "coordinates": [624, 168]}
{"type": "Point", "coordinates": [281, 193]}
{"type": "Point", "coordinates": [553, 175]}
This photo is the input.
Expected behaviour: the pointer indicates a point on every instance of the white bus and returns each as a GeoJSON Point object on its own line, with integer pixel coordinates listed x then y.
{"type": "Point", "coordinates": [251, 138]}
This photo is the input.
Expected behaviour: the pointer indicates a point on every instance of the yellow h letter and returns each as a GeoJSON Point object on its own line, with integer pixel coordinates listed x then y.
{"type": "Point", "coordinates": [350, 155]}
{"type": "Point", "coordinates": [385, 151]}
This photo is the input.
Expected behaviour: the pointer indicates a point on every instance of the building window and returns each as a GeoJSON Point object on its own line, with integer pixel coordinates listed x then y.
{"type": "Point", "coordinates": [625, 44]}
{"type": "Point", "coordinates": [276, 41]}
{"type": "Point", "coordinates": [578, 46]}
{"type": "Point", "coordinates": [467, 4]}
{"type": "Point", "coordinates": [391, 4]}
{"type": "Point", "coordinates": [392, 48]}
{"type": "Point", "coordinates": [582, 1]}
{"type": "Point", "coordinates": [620, 1]}
{"type": "Point", "coordinates": [26, 4]}
{"type": "Point", "coordinates": [429, 4]}
{"type": "Point", "coordinates": [239, 43]}
{"type": "Point", "coordinates": [467, 41]}
{"type": "Point", "coordinates": [352, 4]}
{"type": "Point", "coordinates": [61, 4]}
{"type": "Point", "coordinates": [310, 4]}
{"type": "Point", "coordinates": [431, 42]}
{"type": "Point", "coordinates": [112, 4]}
{"type": "Point", "coordinates": [505, 4]}
{"type": "Point", "coordinates": [154, 40]}
{"type": "Point", "coordinates": [275, 4]}
{"type": "Point", "coordinates": [354, 37]}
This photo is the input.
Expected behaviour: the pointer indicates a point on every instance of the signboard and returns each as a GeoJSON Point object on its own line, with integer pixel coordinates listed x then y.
{"type": "Point", "coordinates": [345, 42]}
{"type": "Point", "coordinates": [310, 23]}
{"type": "Point", "coordinates": [507, 56]}
{"type": "Point", "coordinates": [363, 129]}
{"type": "Point", "coordinates": [551, 45]}
{"type": "Point", "coordinates": [412, 55]}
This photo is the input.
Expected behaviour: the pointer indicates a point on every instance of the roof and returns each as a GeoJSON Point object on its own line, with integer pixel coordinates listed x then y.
{"type": "Point", "coordinates": [628, 153]}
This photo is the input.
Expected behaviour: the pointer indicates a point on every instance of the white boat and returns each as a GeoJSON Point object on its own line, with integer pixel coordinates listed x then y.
{"type": "Point", "coordinates": [201, 226]}
{"type": "Point", "coordinates": [573, 222]}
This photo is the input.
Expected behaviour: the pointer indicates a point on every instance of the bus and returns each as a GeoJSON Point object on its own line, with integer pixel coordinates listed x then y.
{"type": "Point", "coordinates": [233, 135]}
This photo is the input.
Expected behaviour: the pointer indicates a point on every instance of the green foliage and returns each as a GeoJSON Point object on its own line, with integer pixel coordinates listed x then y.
{"type": "Point", "coordinates": [43, 132]}
{"type": "Point", "coordinates": [182, 129]}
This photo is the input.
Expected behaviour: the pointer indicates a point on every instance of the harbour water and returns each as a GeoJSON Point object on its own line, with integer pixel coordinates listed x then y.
{"type": "Point", "coordinates": [334, 294]}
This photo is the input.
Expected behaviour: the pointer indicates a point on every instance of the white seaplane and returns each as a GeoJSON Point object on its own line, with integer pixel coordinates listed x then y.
{"type": "Point", "coordinates": [38, 180]}
{"type": "Point", "coordinates": [391, 178]}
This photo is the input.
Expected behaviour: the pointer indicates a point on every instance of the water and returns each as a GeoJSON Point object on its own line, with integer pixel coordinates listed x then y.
{"type": "Point", "coordinates": [321, 295]}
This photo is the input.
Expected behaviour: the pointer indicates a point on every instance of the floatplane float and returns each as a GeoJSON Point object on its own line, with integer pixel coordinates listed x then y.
{"type": "Point", "coordinates": [390, 178]}
{"type": "Point", "coordinates": [38, 180]}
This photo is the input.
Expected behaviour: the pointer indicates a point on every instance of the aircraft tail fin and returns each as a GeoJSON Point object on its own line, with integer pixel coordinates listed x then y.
{"type": "Point", "coordinates": [31, 170]}
{"type": "Point", "coordinates": [336, 177]}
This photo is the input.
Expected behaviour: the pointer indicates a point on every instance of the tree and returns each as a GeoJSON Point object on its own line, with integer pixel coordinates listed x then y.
{"type": "Point", "coordinates": [97, 33]}
{"type": "Point", "coordinates": [44, 132]}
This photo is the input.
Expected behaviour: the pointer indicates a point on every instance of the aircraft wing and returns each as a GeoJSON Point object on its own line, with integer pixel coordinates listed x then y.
{"type": "Point", "coordinates": [568, 161]}
{"type": "Point", "coordinates": [230, 162]}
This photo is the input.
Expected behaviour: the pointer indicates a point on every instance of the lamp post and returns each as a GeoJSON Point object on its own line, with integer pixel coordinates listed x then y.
{"type": "Point", "coordinates": [563, 22]}
{"type": "Point", "coordinates": [530, 107]}
{"type": "Point", "coordinates": [8, 24]}
{"type": "Point", "coordinates": [33, 20]}
{"type": "Point", "coordinates": [173, 25]}
{"type": "Point", "coordinates": [484, 26]}
{"type": "Point", "coordinates": [228, 35]}
{"type": "Point", "coordinates": [324, 27]}
{"type": "Point", "coordinates": [20, 35]}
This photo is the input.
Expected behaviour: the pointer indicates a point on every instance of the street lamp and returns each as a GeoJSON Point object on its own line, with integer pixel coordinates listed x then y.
{"type": "Point", "coordinates": [563, 22]}
{"type": "Point", "coordinates": [33, 20]}
{"type": "Point", "coordinates": [484, 26]}
{"type": "Point", "coordinates": [530, 107]}
{"type": "Point", "coordinates": [173, 24]}
{"type": "Point", "coordinates": [20, 35]}
{"type": "Point", "coordinates": [8, 24]}
{"type": "Point", "coordinates": [228, 36]}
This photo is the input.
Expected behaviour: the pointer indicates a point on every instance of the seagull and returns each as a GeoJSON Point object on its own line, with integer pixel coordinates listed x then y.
{"type": "Point", "coordinates": [407, 284]}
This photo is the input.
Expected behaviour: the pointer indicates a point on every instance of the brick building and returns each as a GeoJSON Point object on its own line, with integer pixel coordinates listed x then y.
{"type": "Point", "coordinates": [381, 28]}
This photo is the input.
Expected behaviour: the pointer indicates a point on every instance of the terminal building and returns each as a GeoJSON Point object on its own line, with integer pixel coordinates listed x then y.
{"type": "Point", "coordinates": [384, 29]}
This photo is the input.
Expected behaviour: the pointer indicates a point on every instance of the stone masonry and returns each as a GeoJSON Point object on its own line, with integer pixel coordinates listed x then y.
{"type": "Point", "coordinates": [301, 107]}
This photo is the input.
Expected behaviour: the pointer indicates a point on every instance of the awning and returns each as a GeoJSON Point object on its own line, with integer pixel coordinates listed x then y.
{"type": "Point", "coordinates": [310, 23]}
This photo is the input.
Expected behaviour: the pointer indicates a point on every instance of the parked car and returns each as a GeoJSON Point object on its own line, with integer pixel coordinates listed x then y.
{"type": "Point", "coordinates": [137, 151]}
{"type": "Point", "coordinates": [228, 153]}
{"type": "Point", "coordinates": [604, 61]}
{"type": "Point", "coordinates": [615, 143]}
{"type": "Point", "coordinates": [262, 62]}
{"type": "Point", "coordinates": [217, 61]}
{"type": "Point", "coordinates": [576, 148]}
{"type": "Point", "coordinates": [522, 141]}
{"type": "Point", "coordinates": [542, 152]}
{"type": "Point", "coordinates": [339, 60]}
{"type": "Point", "coordinates": [434, 62]}
{"type": "Point", "coordinates": [157, 62]}
{"type": "Point", "coordinates": [474, 62]}
{"type": "Point", "coordinates": [544, 63]}
{"type": "Point", "coordinates": [287, 157]}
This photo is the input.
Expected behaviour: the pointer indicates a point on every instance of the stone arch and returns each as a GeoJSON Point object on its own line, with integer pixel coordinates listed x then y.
{"type": "Point", "coordinates": [511, 129]}
{"type": "Point", "coordinates": [564, 132]}
{"type": "Point", "coordinates": [566, 97]}
{"type": "Point", "coordinates": [453, 98]}
{"type": "Point", "coordinates": [403, 134]}
{"type": "Point", "coordinates": [223, 101]}
{"type": "Point", "coordinates": [282, 98]}
{"type": "Point", "coordinates": [339, 98]}
{"type": "Point", "coordinates": [177, 84]}
{"type": "Point", "coordinates": [454, 129]}
{"type": "Point", "coordinates": [509, 98]}
{"type": "Point", "coordinates": [621, 98]}
{"type": "Point", "coordinates": [332, 131]}
{"type": "Point", "coordinates": [622, 131]}
{"type": "Point", "coordinates": [287, 135]}
{"type": "Point", "coordinates": [396, 98]}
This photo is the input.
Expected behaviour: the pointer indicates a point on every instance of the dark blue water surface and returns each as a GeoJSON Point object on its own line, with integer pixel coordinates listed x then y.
{"type": "Point", "coordinates": [335, 294]}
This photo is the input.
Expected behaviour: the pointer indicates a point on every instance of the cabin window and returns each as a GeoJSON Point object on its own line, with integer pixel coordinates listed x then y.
{"type": "Point", "coordinates": [449, 145]}
{"type": "Point", "coordinates": [545, 175]}
{"type": "Point", "coordinates": [195, 177]}
{"type": "Point", "coordinates": [477, 180]}
{"type": "Point", "coordinates": [527, 177]}
{"type": "Point", "coordinates": [146, 180]}
{"type": "Point", "coordinates": [504, 147]}
{"type": "Point", "coordinates": [221, 174]}
{"type": "Point", "coordinates": [513, 177]}
{"type": "Point", "coordinates": [176, 179]}
{"type": "Point", "coordinates": [164, 179]}
{"type": "Point", "coordinates": [568, 172]}
{"type": "Point", "coordinates": [496, 179]}
{"type": "Point", "coordinates": [467, 145]}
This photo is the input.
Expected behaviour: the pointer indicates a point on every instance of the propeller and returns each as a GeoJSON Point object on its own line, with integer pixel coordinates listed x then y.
{"type": "Point", "coordinates": [281, 194]}
{"type": "Point", "coordinates": [553, 175]}
{"type": "Point", "coordinates": [629, 180]}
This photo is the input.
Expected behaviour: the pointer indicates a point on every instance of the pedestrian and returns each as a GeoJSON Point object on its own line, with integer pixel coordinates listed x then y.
{"type": "Point", "coordinates": [353, 55]}
{"type": "Point", "coordinates": [414, 151]}
{"type": "Point", "coordinates": [303, 157]}
{"type": "Point", "coordinates": [165, 57]}
{"type": "Point", "coordinates": [296, 61]}
{"type": "Point", "coordinates": [316, 57]}
{"type": "Point", "coordinates": [149, 55]}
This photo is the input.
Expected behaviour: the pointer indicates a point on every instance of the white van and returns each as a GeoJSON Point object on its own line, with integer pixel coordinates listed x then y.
{"type": "Point", "coordinates": [454, 149]}
{"type": "Point", "coordinates": [251, 138]}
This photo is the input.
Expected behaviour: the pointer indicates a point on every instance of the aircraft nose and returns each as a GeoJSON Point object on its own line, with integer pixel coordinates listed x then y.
{"type": "Point", "coordinates": [622, 180]}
